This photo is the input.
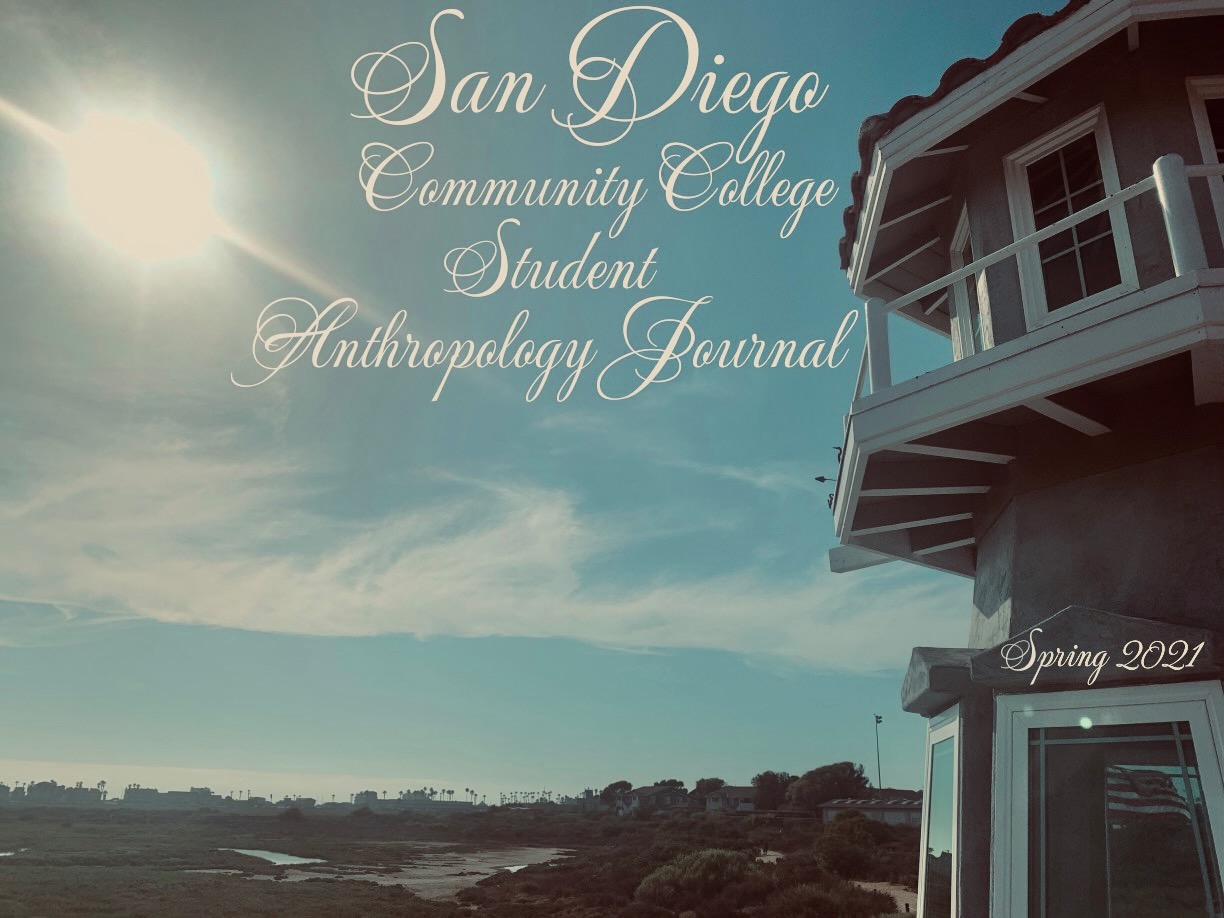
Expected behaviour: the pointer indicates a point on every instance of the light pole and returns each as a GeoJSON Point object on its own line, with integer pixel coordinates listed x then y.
{"type": "Point", "coordinates": [879, 780]}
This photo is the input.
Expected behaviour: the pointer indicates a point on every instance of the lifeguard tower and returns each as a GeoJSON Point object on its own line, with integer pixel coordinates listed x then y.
{"type": "Point", "coordinates": [1056, 212]}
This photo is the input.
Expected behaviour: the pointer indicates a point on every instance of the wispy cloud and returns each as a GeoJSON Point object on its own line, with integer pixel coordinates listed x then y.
{"type": "Point", "coordinates": [162, 529]}
{"type": "Point", "coordinates": [781, 476]}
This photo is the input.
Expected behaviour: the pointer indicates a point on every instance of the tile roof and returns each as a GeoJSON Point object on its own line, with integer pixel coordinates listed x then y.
{"type": "Point", "coordinates": [876, 127]}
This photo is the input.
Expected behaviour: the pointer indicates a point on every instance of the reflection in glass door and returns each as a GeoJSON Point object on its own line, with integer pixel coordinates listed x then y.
{"type": "Point", "coordinates": [1118, 826]}
{"type": "Point", "coordinates": [937, 888]}
{"type": "Point", "coordinates": [937, 872]}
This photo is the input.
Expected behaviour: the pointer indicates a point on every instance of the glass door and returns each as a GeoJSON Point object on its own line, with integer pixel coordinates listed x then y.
{"type": "Point", "coordinates": [1107, 803]}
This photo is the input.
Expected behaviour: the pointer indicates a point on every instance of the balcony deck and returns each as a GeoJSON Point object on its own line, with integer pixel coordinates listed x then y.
{"type": "Point", "coordinates": [921, 455]}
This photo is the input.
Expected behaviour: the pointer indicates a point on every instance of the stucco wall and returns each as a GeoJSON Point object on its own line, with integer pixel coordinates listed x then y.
{"type": "Point", "coordinates": [1144, 539]}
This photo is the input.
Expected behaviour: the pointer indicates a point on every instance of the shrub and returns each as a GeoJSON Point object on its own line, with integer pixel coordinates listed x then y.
{"type": "Point", "coordinates": [856, 821]}
{"type": "Point", "coordinates": [857, 828]}
{"type": "Point", "coordinates": [811, 901]}
{"type": "Point", "coordinates": [754, 889]}
{"type": "Point", "coordinates": [643, 910]}
{"type": "Point", "coordinates": [696, 877]}
{"type": "Point", "coordinates": [474, 896]}
{"type": "Point", "coordinates": [802, 867]}
{"type": "Point", "coordinates": [843, 856]}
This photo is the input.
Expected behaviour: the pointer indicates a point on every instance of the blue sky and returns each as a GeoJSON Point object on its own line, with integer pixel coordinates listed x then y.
{"type": "Point", "coordinates": [330, 580]}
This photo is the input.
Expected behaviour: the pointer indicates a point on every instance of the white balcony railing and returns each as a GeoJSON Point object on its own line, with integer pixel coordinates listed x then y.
{"type": "Point", "coordinates": [1170, 179]}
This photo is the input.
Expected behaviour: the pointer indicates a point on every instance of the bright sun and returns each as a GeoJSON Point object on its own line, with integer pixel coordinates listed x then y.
{"type": "Point", "coordinates": [140, 186]}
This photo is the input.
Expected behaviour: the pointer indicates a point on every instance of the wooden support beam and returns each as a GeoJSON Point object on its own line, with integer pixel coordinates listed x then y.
{"type": "Point", "coordinates": [937, 322]}
{"type": "Point", "coordinates": [1207, 366]}
{"type": "Point", "coordinates": [906, 513]}
{"type": "Point", "coordinates": [976, 443]}
{"type": "Point", "coordinates": [924, 489]}
{"type": "Point", "coordinates": [960, 148]}
{"type": "Point", "coordinates": [922, 208]}
{"type": "Point", "coordinates": [903, 259]}
{"type": "Point", "coordinates": [903, 524]}
{"type": "Point", "coordinates": [901, 479]}
{"type": "Point", "coordinates": [909, 512]}
{"type": "Point", "coordinates": [885, 291]}
{"type": "Point", "coordinates": [1030, 97]}
{"type": "Point", "coordinates": [927, 310]}
{"type": "Point", "coordinates": [846, 558]}
{"type": "Point", "coordinates": [930, 540]}
{"type": "Point", "coordinates": [1132, 37]}
{"type": "Point", "coordinates": [1063, 415]}
{"type": "Point", "coordinates": [960, 560]}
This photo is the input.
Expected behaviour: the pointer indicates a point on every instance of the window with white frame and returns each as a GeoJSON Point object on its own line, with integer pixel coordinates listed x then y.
{"type": "Point", "coordinates": [1207, 107]}
{"type": "Point", "coordinates": [1105, 802]}
{"type": "Point", "coordinates": [937, 871]}
{"type": "Point", "coordinates": [1049, 180]}
{"type": "Point", "coordinates": [971, 333]}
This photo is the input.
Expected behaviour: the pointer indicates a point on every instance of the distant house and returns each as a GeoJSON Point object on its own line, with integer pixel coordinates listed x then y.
{"type": "Point", "coordinates": [133, 795]}
{"type": "Point", "coordinates": [895, 811]}
{"type": "Point", "coordinates": [731, 800]}
{"type": "Point", "coordinates": [51, 793]}
{"type": "Point", "coordinates": [302, 803]}
{"type": "Point", "coordinates": [656, 796]}
{"type": "Point", "coordinates": [196, 797]}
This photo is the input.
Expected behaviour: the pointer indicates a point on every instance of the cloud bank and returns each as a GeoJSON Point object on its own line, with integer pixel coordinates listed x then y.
{"type": "Point", "coordinates": [161, 528]}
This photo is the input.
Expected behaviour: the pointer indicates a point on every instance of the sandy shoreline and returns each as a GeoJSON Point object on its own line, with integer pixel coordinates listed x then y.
{"type": "Point", "coordinates": [903, 896]}
{"type": "Point", "coordinates": [431, 875]}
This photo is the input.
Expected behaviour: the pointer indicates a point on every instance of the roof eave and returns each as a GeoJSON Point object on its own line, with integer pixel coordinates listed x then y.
{"type": "Point", "coordinates": [1031, 61]}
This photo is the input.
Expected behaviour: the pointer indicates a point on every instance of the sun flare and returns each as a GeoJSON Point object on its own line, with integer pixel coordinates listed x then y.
{"type": "Point", "coordinates": [140, 186]}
